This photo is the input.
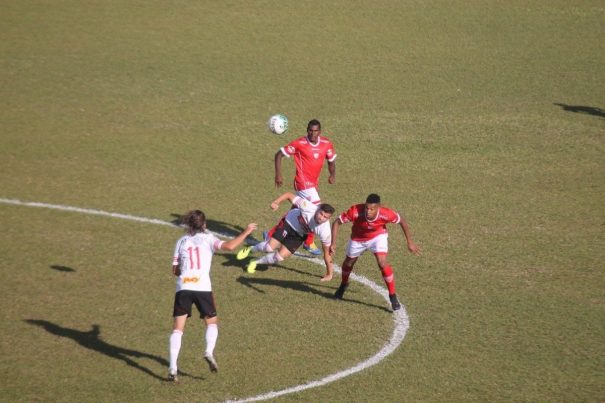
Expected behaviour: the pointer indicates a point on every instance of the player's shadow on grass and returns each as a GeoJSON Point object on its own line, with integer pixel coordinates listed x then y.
{"type": "Point", "coordinates": [91, 340]}
{"type": "Point", "coordinates": [58, 267]}
{"type": "Point", "coordinates": [301, 286]}
{"type": "Point", "coordinates": [588, 110]}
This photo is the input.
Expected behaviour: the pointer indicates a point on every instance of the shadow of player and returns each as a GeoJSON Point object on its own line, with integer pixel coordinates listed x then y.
{"type": "Point", "coordinates": [91, 340]}
{"type": "Point", "coordinates": [588, 110]}
{"type": "Point", "coordinates": [254, 284]}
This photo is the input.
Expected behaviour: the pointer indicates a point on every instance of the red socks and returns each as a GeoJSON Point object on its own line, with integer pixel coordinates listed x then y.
{"type": "Point", "coordinates": [389, 279]}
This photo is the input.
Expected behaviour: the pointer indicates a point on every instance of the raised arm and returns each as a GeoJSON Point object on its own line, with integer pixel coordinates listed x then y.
{"type": "Point", "coordinates": [238, 240]}
{"type": "Point", "coordinates": [279, 180]}
{"type": "Point", "coordinates": [285, 196]}
{"type": "Point", "coordinates": [412, 247]}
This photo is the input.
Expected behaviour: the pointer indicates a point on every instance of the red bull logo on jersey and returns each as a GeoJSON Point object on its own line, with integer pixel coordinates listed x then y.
{"type": "Point", "coordinates": [190, 280]}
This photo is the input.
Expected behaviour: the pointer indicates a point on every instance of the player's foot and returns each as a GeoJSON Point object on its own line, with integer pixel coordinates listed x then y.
{"type": "Point", "coordinates": [173, 375]}
{"type": "Point", "coordinates": [312, 249]}
{"type": "Point", "coordinates": [394, 302]}
{"type": "Point", "coordinates": [211, 362]}
{"type": "Point", "coordinates": [341, 290]}
{"type": "Point", "coordinates": [244, 252]}
{"type": "Point", "coordinates": [251, 267]}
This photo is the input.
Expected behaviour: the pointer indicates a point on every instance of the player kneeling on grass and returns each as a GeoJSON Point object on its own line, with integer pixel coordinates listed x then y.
{"type": "Point", "coordinates": [369, 232]}
{"type": "Point", "coordinates": [191, 263]}
{"type": "Point", "coordinates": [291, 232]}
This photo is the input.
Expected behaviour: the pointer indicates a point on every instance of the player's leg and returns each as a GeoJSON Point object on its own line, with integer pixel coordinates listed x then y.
{"type": "Point", "coordinates": [354, 250]}
{"type": "Point", "coordinates": [389, 279]}
{"type": "Point", "coordinates": [290, 241]}
{"type": "Point", "coordinates": [267, 245]}
{"type": "Point", "coordinates": [347, 268]}
{"type": "Point", "coordinates": [181, 311]}
{"type": "Point", "coordinates": [206, 306]}
{"type": "Point", "coordinates": [312, 195]}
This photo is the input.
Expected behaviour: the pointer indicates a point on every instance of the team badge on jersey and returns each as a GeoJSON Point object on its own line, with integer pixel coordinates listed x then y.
{"type": "Point", "coordinates": [316, 155]}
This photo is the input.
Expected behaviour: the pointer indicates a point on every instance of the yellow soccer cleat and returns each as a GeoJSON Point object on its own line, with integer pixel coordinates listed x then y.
{"type": "Point", "coordinates": [244, 252]}
{"type": "Point", "coordinates": [251, 267]}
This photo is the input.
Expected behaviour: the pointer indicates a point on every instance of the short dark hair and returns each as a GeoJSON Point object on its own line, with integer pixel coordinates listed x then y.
{"type": "Point", "coordinates": [313, 122]}
{"type": "Point", "coordinates": [373, 198]}
{"type": "Point", "coordinates": [326, 208]}
{"type": "Point", "coordinates": [195, 220]}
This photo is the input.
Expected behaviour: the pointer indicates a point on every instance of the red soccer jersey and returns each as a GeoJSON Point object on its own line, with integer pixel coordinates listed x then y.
{"type": "Point", "coordinates": [364, 229]}
{"type": "Point", "coordinates": [309, 159]}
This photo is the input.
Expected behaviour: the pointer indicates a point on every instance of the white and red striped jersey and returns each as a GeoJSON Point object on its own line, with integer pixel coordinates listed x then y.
{"type": "Point", "coordinates": [364, 229]}
{"type": "Point", "coordinates": [309, 159]}
{"type": "Point", "coordinates": [193, 254]}
{"type": "Point", "coordinates": [302, 219]}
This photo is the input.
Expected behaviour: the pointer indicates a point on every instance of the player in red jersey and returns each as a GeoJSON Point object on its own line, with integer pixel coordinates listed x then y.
{"type": "Point", "coordinates": [310, 153]}
{"type": "Point", "coordinates": [369, 232]}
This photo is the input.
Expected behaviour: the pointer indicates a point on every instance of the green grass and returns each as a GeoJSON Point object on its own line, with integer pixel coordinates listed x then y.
{"type": "Point", "coordinates": [449, 110]}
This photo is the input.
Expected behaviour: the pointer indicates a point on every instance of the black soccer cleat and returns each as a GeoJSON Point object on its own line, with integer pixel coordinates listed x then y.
{"type": "Point", "coordinates": [341, 290]}
{"type": "Point", "coordinates": [394, 302]}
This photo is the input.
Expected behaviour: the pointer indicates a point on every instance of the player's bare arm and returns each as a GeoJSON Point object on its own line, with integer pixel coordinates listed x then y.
{"type": "Point", "coordinates": [285, 196]}
{"type": "Point", "coordinates": [412, 247]}
{"type": "Point", "coordinates": [332, 170]}
{"type": "Point", "coordinates": [328, 262]}
{"type": "Point", "coordinates": [279, 180]}
{"type": "Point", "coordinates": [238, 240]}
{"type": "Point", "coordinates": [335, 227]}
{"type": "Point", "coordinates": [176, 270]}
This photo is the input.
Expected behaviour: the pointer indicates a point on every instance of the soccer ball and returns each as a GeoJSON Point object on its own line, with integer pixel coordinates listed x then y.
{"type": "Point", "coordinates": [278, 124]}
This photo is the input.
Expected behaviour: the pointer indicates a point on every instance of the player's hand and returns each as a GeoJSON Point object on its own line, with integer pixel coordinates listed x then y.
{"type": "Point", "coordinates": [176, 270]}
{"type": "Point", "coordinates": [331, 179]}
{"type": "Point", "coordinates": [251, 227]}
{"type": "Point", "coordinates": [415, 249]}
{"type": "Point", "coordinates": [274, 206]}
{"type": "Point", "coordinates": [332, 249]}
{"type": "Point", "coordinates": [278, 181]}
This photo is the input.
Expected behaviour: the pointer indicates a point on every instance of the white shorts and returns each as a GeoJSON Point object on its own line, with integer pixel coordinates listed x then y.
{"type": "Point", "coordinates": [309, 194]}
{"type": "Point", "coordinates": [378, 244]}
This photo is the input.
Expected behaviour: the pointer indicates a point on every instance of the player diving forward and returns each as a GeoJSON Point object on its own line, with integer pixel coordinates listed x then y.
{"type": "Point", "coordinates": [290, 233]}
{"type": "Point", "coordinates": [369, 232]}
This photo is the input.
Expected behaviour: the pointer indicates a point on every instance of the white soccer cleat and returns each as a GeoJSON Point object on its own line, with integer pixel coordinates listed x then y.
{"type": "Point", "coordinates": [212, 365]}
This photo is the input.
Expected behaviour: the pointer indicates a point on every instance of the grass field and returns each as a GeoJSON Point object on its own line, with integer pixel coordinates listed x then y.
{"type": "Point", "coordinates": [482, 121]}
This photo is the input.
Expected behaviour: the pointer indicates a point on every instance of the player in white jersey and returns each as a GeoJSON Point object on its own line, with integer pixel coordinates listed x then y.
{"type": "Point", "coordinates": [291, 232]}
{"type": "Point", "coordinates": [191, 264]}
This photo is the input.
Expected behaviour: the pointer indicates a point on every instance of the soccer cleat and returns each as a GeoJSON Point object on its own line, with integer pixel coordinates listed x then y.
{"type": "Point", "coordinates": [244, 252]}
{"type": "Point", "coordinates": [394, 302]}
{"type": "Point", "coordinates": [251, 267]}
{"type": "Point", "coordinates": [341, 290]}
{"type": "Point", "coordinates": [211, 362]}
{"type": "Point", "coordinates": [312, 249]}
{"type": "Point", "coordinates": [173, 376]}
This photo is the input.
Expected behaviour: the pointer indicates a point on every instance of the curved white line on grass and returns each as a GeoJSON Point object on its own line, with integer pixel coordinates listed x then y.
{"type": "Point", "coordinates": [400, 318]}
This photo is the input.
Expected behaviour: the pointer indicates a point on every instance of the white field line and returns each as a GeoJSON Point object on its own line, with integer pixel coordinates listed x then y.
{"type": "Point", "coordinates": [400, 318]}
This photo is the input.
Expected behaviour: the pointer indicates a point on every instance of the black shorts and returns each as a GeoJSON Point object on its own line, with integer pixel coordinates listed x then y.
{"type": "Point", "coordinates": [203, 300]}
{"type": "Point", "coordinates": [287, 236]}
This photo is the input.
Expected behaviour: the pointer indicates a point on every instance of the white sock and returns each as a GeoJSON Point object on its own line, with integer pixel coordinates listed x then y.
{"type": "Point", "coordinates": [262, 247]}
{"type": "Point", "coordinates": [271, 258]}
{"type": "Point", "coordinates": [174, 347]}
{"type": "Point", "coordinates": [211, 336]}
